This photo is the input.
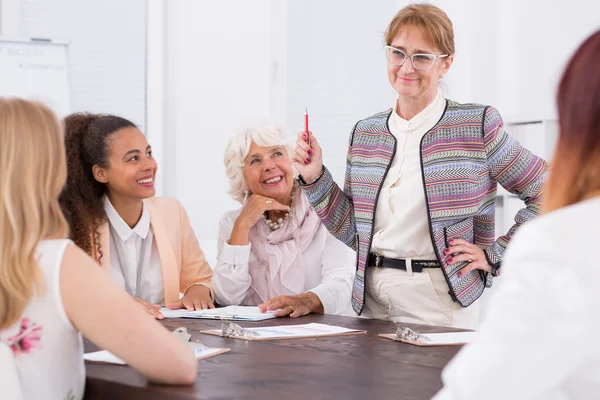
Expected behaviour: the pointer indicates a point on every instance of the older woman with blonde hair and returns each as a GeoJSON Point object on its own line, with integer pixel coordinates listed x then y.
{"type": "Point", "coordinates": [420, 186]}
{"type": "Point", "coordinates": [274, 251]}
{"type": "Point", "coordinates": [51, 292]}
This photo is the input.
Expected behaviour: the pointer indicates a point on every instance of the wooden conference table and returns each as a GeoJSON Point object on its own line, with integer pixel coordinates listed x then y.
{"type": "Point", "coordinates": [345, 367]}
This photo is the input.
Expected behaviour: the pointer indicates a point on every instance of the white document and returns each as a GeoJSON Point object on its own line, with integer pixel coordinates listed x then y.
{"type": "Point", "coordinates": [234, 313]}
{"type": "Point", "coordinates": [202, 352]}
{"type": "Point", "coordinates": [106, 357]}
{"type": "Point", "coordinates": [448, 338]}
{"type": "Point", "coordinates": [306, 330]}
{"type": "Point", "coordinates": [103, 356]}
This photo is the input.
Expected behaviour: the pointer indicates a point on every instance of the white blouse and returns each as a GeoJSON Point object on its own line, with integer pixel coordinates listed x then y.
{"type": "Point", "coordinates": [329, 272]}
{"type": "Point", "coordinates": [134, 258]}
{"type": "Point", "coordinates": [47, 349]}
{"type": "Point", "coordinates": [401, 223]}
{"type": "Point", "coordinates": [540, 338]}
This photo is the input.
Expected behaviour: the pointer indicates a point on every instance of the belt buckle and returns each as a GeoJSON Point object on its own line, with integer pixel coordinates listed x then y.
{"type": "Point", "coordinates": [378, 258]}
{"type": "Point", "coordinates": [416, 267]}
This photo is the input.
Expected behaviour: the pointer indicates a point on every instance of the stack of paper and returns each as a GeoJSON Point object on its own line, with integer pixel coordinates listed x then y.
{"type": "Point", "coordinates": [234, 313]}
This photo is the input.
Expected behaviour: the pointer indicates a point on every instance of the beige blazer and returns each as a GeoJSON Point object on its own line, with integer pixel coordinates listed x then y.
{"type": "Point", "coordinates": [183, 262]}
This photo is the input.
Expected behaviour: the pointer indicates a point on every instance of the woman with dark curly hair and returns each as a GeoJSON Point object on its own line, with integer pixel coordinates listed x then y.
{"type": "Point", "coordinates": [146, 243]}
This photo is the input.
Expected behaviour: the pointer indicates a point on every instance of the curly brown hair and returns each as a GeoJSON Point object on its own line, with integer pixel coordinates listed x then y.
{"type": "Point", "coordinates": [87, 142]}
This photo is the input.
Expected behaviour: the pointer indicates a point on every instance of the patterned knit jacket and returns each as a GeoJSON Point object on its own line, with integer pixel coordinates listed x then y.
{"type": "Point", "coordinates": [463, 157]}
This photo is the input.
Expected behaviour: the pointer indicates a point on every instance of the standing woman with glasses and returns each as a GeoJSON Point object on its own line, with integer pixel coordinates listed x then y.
{"type": "Point", "coordinates": [420, 186]}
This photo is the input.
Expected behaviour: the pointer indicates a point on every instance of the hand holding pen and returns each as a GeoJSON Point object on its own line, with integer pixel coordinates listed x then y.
{"type": "Point", "coordinates": [307, 157]}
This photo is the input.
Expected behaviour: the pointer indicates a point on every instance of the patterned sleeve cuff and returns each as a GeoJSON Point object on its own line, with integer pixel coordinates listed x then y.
{"type": "Point", "coordinates": [495, 265]}
{"type": "Point", "coordinates": [302, 181]}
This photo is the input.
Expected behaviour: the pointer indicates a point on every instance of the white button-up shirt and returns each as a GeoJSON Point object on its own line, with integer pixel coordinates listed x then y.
{"type": "Point", "coordinates": [133, 252]}
{"type": "Point", "coordinates": [329, 271]}
{"type": "Point", "coordinates": [401, 223]}
{"type": "Point", "coordinates": [540, 337]}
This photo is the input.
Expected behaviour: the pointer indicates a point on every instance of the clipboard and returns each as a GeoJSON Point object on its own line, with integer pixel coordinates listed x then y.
{"type": "Point", "coordinates": [406, 335]}
{"type": "Point", "coordinates": [200, 351]}
{"type": "Point", "coordinates": [232, 330]}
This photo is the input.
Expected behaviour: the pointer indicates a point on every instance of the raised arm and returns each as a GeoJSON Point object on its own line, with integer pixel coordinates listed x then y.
{"type": "Point", "coordinates": [231, 279]}
{"type": "Point", "coordinates": [334, 206]}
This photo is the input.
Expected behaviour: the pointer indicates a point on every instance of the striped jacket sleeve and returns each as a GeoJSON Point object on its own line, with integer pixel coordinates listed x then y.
{"type": "Point", "coordinates": [518, 171]}
{"type": "Point", "coordinates": [334, 206]}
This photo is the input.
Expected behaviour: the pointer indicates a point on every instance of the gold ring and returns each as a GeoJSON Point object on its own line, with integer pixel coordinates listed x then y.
{"type": "Point", "coordinates": [470, 258]}
{"type": "Point", "coordinates": [268, 201]}
{"type": "Point", "coordinates": [291, 308]}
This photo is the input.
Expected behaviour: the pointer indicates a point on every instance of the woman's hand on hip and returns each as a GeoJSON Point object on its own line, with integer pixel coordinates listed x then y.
{"type": "Point", "coordinates": [462, 251]}
{"type": "Point", "coordinates": [252, 212]}
{"type": "Point", "coordinates": [308, 159]}
{"type": "Point", "coordinates": [197, 297]}
{"type": "Point", "coordinates": [294, 306]}
{"type": "Point", "coordinates": [152, 309]}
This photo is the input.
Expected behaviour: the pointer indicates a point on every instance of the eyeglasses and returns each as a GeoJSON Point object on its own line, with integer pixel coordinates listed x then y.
{"type": "Point", "coordinates": [421, 62]}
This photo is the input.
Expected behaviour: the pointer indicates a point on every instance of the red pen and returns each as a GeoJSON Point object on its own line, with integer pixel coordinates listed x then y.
{"type": "Point", "coordinates": [306, 126]}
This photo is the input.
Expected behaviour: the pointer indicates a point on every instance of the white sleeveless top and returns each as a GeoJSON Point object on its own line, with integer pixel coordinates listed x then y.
{"type": "Point", "coordinates": [47, 350]}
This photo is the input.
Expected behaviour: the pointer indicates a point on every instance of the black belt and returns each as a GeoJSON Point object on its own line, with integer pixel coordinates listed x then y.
{"type": "Point", "coordinates": [376, 260]}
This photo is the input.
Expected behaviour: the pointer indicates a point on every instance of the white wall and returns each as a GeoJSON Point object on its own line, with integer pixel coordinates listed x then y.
{"type": "Point", "coordinates": [510, 53]}
{"type": "Point", "coordinates": [227, 69]}
{"type": "Point", "coordinates": [218, 78]}
{"type": "Point", "coordinates": [336, 67]}
{"type": "Point", "coordinates": [107, 51]}
{"type": "Point", "coordinates": [9, 17]}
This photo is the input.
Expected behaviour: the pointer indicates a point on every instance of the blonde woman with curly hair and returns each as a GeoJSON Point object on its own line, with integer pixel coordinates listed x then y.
{"type": "Point", "coordinates": [51, 292]}
{"type": "Point", "coordinates": [273, 251]}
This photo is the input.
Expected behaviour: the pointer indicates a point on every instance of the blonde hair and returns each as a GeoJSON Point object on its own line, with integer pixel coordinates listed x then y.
{"type": "Point", "coordinates": [434, 22]}
{"type": "Point", "coordinates": [238, 146]}
{"type": "Point", "coordinates": [33, 172]}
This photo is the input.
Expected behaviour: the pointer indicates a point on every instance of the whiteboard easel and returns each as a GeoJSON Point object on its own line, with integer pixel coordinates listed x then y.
{"type": "Point", "coordinates": [36, 69]}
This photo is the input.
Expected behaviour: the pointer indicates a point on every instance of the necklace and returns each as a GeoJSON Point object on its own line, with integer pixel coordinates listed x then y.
{"type": "Point", "coordinates": [423, 120]}
{"type": "Point", "coordinates": [274, 225]}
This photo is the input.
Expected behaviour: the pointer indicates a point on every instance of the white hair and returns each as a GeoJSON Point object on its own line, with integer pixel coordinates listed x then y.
{"type": "Point", "coordinates": [238, 147]}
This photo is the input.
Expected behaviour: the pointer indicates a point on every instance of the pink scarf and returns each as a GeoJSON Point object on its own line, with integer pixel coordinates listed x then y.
{"type": "Point", "coordinates": [279, 268]}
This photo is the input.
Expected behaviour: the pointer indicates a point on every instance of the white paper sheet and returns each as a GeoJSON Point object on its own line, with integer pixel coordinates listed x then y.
{"type": "Point", "coordinates": [107, 357]}
{"type": "Point", "coordinates": [103, 356]}
{"type": "Point", "coordinates": [206, 351]}
{"type": "Point", "coordinates": [235, 313]}
{"type": "Point", "coordinates": [449, 337]}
